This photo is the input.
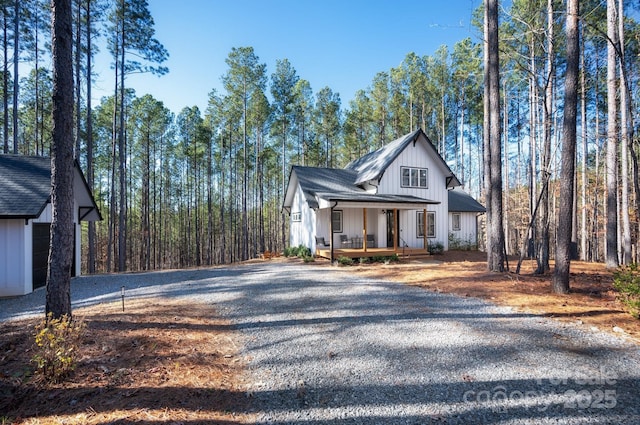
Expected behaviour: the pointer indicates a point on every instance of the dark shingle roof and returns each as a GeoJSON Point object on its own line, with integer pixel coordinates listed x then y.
{"type": "Point", "coordinates": [25, 185]}
{"type": "Point", "coordinates": [25, 188]}
{"type": "Point", "coordinates": [460, 201]}
{"type": "Point", "coordinates": [373, 165]}
{"type": "Point", "coordinates": [314, 180]}
{"type": "Point", "coordinates": [336, 184]}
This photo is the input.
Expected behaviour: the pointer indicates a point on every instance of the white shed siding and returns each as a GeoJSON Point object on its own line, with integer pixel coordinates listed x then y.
{"type": "Point", "coordinates": [15, 258]}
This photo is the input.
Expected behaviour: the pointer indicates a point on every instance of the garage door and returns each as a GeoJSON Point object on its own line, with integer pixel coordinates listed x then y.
{"type": "Point", "coordinates": [40, 253]}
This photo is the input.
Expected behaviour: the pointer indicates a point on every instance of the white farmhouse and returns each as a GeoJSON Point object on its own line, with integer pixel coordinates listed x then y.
{"type": "Point", "coordinates": [25, 221]}
{"type": "Point", "coordinates": [399, 199]}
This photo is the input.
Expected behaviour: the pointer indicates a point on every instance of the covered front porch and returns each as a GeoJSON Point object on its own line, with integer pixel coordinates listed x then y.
{"type": "Point", "coordinates": [371, 252]}
{"type": "Point", "coordinates": [347, 228]}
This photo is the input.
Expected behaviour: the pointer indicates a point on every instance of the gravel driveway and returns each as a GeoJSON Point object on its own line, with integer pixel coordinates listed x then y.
{"type": "Point", "coordinates": [327, 347]}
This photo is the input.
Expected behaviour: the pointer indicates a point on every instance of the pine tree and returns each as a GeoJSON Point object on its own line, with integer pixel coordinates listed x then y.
{"type": "Point", "coordinates": [61, 249]}
{"type": "Point", "coordinates": [560, 283]}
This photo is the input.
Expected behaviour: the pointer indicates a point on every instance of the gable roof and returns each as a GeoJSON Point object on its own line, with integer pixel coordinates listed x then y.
{"type": "Point", "coordinates": [25, 188]}
{"type": "Point", "coordinates": [460, 201]}
{"type": "Point", "coordinates": [336, 184]}
{"type": "Point", "coordinates": [373, 165]}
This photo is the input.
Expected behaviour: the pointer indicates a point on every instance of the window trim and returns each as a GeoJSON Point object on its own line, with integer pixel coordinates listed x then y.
{"type": "Point", "coordinates": [296, 217]}
{"type": "Point", "coordinates": [419, 222]}
{"type": "Point", "coordinates": [338, 214]}
{"type": "Point", "coordinates": [455, 228]}
{"type": "Point", "coordinates": [411, 170]}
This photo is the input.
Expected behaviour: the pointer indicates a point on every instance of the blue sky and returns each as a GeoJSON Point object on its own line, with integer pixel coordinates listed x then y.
{"type": "Point", "coordinates": [341, 44]}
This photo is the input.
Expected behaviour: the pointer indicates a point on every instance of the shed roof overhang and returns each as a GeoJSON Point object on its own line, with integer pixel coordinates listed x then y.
{"type": "Point", "coordinates": [368, 200]}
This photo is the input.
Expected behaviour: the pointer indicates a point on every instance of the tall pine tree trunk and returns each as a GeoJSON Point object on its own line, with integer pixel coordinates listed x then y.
{"type": "Point", "coordinates": [543, 254]}
{"type": "Point", "coordinates": [91, 231]}
{"type": "Point", "coordinates": [612, 139]}
{"type": "Point", "coordinates": [624, 148]}
{"type": "Point", "coordinates": [565, 214]}
{"type": "Point", "coordinates": [122, 216]}
{"type": "Point", "coordinates": [16, 79]}
{"type": "Point", "coordinates": [61, 249]}
{"type": "Point", "coordinates": [5, 79]}
{"type": "Point", "coordinates": [495, 228]}
{"type": "Point", "coordinates": [78, 74]}
{"type": "Point", "coordinates": [583, 162]}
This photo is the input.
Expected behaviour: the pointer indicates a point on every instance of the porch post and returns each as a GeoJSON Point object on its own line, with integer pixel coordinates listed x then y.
{"type": "Point", "coordinates": [395, 229]}
{"type": "Point", "coordinates": [364, 229]}
{"type": "Point", "coordinates": [424, 227]}
{"type": "Point", "coordinates": [331, 235]}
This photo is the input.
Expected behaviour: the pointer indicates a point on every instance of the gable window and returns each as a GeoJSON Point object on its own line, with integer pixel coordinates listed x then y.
{"type": "Point", "coordinates": [414, 177]}
{"type": "Point", "coordinates": [336, 221]}
{"type": "Point", "coordinates": [455, 222]}
{"type": "Point", "coordinates": [296, 216]}
{"type": "Point", "coordinates": [431, 224]}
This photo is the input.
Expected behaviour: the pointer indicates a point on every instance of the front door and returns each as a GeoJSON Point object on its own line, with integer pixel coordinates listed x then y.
{"type": "Point", "coordinates": [391, 228]}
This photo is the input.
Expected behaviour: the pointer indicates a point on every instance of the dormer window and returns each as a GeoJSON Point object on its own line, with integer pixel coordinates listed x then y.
{"type": "Point", "coordinates": [415, 177]}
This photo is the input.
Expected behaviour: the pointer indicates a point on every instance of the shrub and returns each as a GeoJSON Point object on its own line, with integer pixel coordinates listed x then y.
{"type": "Point", "coordinates": [303, 251]}
{"type": "Point", "coordinates": [56, 347]}
{"type": "Point", "coordinates": [391, 259]}
{"type": "Point", "coordinates": [435, 248]}
{"type": "Point", "coordinates": [466, 244]}
{"type": "Point", "coordinates": [345, 261]}
{"type": "Point", "coordinates": [364, 260]}
{"type": "Point", "coordinates": [308, 259]}
{"type": "Point", "coordinates": [297, 251]}
{"type": "Point", "coordinates": [626, 280]}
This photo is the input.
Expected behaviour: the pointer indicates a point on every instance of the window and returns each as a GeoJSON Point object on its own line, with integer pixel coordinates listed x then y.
{"type": "Point", "coordinates": [455, 222]}
{"type": "Point", "coordinates": [296, 216]}
{"type": "Point", "coordinates": [336, 221]}
{"type": "Point", "coordinates": [414, 177]}
{"type": "Point", "coordinates": [431, 224]}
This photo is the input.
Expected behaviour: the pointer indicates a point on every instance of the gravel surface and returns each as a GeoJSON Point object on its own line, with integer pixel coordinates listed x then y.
{"type": "Point", "coordinates": [327, 347]}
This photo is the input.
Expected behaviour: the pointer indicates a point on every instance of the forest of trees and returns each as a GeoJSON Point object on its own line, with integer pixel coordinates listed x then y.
{"type": "Point", "coordinates": [206, 187]}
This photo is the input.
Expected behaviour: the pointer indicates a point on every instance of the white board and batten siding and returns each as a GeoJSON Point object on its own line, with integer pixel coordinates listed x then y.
{"type": "Point", "coordinates": [468, 227]}
{"type": "Point", "coordinates": [416, 155]}
{"type": "Point", "coordinates": [302, 222]}
{"type": "Point", "coordinates": [16, 252]}
{"type": "Point", "coordinates": [15, 258]}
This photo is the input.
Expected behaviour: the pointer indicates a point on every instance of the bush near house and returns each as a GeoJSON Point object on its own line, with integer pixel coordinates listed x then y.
{"type": "Point", "coordinates": [435, 248]}
{"type": "Point", "coordinates": [462, 244]}
{"type": "Point", "coordinates": [300, 251]}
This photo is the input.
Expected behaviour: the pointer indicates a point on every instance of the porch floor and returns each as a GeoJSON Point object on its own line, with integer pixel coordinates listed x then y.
{"type": "Point", "coordinates": [370, 252]}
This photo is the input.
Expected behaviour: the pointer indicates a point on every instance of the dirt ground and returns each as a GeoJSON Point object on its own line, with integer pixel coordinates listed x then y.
{"type": "Point", "coordinates": [160, 361]}
{"type": "Point", "coordinates": [591, 301]}
{"type": "Point", "coordinates": [163, 361]}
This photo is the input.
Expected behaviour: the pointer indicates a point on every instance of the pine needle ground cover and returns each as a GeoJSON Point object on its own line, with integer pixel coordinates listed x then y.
{"type": "Point", "coordinates": [158, 362]}
{"type": "Point", "coordinates": [593, 301]}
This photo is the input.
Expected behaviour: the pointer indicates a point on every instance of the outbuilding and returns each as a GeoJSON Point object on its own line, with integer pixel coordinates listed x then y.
{"type": "Point", "coordinates": [25, 221]}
